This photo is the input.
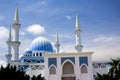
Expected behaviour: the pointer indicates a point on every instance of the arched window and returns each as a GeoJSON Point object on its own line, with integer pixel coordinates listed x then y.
{"type": "Point", "coordinates": [83, 69]}
{"type": "Point", "coordinates": [96, 66]}
{"type": "Point", "coordinates": [40, 54]}
{"type": "Point", "coordinates": [102, 65]}
{"type": "Point", "coordinates": [36, 54]}
{"type": "Point", "coordinates": [21, 68]}
{"type": "Point", "coordinates": [37, 61]}
{"type": "Point", "coordinates": [33, 67]}
{"type": "Point", "coordinates": [40, 67]}
{"type": "Point", "coordinates": [33, 54]}
{"type": "Point", "coordinates": [28, 61]}
{"type": "Point", "coordinates": [68, 68]}
{"type": "Point", "coordinates": [52, 70]}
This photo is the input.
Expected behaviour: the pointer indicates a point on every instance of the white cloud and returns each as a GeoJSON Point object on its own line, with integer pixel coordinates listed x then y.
{"type": "Point", "coordinates": [42, 3]}
{"type": "Point", "coordinates": [103, 38]}
{"type": "Point", "coordinates": [67, 47]}
{"type": "Point", "coordinates": [3, 63]}
{"type": "Point", "coordinates": [3, 47]}
{"type": "Point", "coordinates": [105, 47]}
{"type": "Point", "coordinates": [36, 29]}
{"type": "Point", "coordinates": [69, 17]}
{"type": "Point", "coordinates": [3, 33]}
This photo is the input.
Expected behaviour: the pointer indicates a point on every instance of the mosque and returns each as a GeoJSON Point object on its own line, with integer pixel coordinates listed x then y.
{"type": "Point", "coordinates": [40, 58]}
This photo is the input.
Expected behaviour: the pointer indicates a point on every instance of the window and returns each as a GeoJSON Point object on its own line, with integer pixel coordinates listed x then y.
{"type": "Point", "coordinates": [33, 67]}
{"type": "Point", "coordinates": [102, 65]}
{"type": "Point", "coordinates": [40, 54]}
{"type": "Point", "coordinates": [33, 54]}
{"type": "Point", "coordinates": [40, 67]}
{"type": "Point", "coordinates": [52, 70]}
{"type": "Point", "coordinates": [96, 66]}
{"type": "Point", "coordinates": [36, 54]}
{"type": "Point", "coordinates": [83, 69]}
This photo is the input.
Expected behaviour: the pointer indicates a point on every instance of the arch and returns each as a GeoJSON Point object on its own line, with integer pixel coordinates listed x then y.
{"type": "Point", "coordinates": [33, 67]}
{"type": "Point", "coordinates": [21, 68]}
{"type": "Point", "coordinates": [52, 69]}
{"type": "Point", "coordinates": [68, 67]}
{"type": "Point", "coordinates": [37, 61]}
{"type": "Point", "coordinates": [102, 66]}
{"type": "Point", "coordinates": [96, 66]}
{"type": "Point", "coordinates": [40, 67]}
{"type": "Point", "coordinates": [84, 69]}
{"type": "Point", "coordinates": [28, 61]}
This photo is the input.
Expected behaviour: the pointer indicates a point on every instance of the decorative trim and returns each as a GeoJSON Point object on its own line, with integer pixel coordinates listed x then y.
{"type": "Point", "coordinates": [52, 61]}
{"type": "Point", "coordinates": [67, 58]}
{"type": "Point", "coordinates": [83, 60]}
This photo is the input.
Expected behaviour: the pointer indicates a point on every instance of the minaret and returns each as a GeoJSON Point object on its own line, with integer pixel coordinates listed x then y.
{"type": "Point", "coordinates": [78, 46]}
{"type": "Point", "coordinates": [16, 42]}
{"type": "Point", "coordinates": [9, 43]}
{"type": "Point", "coordinates": [57, 45]}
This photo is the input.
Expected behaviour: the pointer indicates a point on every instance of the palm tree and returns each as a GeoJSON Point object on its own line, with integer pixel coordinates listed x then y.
{"type": "Point", "coordinates": [114, 71]}
{"type": "Point", "coordinates": [115, 68]}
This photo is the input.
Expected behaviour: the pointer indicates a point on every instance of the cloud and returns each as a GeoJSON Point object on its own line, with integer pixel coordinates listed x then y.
{"type": "Point", "coordinates": [104, 47]}
{"type": "Point", "coordinates": [69, 17]}
{"type": "Point", "coordinates": [42, 3]}
{"type": "Point", "coordinates": [3, 33]}
{"type": "Point", "coordinates": [67, 47]}
{"type": "Point", "coordinates": [36, 29]}
{"type": "Point", "coordinates": [3, 63]}
{"type": "Point", "coordinates": [3, 47]}
{"type": "Point", "coordinates": [103, 38]}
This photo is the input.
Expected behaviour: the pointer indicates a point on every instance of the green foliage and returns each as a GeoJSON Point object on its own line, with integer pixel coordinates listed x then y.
{"type": "Point", "coordinates": [11, 73]}
{"type": "Point", "coordinates": [39, 77]}
{"type": "Point", "coordinates": [114, 71]}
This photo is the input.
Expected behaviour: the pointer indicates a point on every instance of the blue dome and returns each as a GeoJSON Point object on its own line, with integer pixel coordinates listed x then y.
{"type": "Point", "coordinates": [27, 51]}
{"type": "Point", "coordinates": [41, 44]}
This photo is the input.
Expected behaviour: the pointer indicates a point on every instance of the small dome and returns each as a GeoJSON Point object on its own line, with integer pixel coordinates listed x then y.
{"type": "Point", "coordinates": [41, 44]}
{"type": "Point", "coordinates": [28, 51]}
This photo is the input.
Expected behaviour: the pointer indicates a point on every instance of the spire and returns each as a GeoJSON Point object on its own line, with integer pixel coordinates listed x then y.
{"type": "Point", "coordinates": [57, 45]}
{"type": "Point", "coordinates": [16, 42]}
{"type": "Point", "coordinates": [78, 46]}
{"type": "Point", "coordinates": [77, 22]}
{"type": "Point", "coordinates": [57, 40]}
{"type": "Point", "coordinates": [9, 39]}
{"type": "Point", "coordinates": [16, 18]}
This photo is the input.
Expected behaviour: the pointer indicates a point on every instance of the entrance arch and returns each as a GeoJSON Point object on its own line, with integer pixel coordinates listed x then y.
{"type": "Point", "coordinates": [68, 71]}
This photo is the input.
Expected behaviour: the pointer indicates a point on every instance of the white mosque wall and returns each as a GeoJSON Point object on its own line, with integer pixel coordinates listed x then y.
{"type": "Point", "coordinates": [76, 65]}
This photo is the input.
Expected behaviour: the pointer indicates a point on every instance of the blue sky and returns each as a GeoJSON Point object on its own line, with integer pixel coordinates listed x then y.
{"type": "Point", "coordinates": [99, 21]}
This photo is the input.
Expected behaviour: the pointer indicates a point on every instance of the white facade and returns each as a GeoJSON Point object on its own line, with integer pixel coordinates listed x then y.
{"type": "Point", "coordinates": [40, 58]}
{"type": "Point", "coordinates": [73, 66]}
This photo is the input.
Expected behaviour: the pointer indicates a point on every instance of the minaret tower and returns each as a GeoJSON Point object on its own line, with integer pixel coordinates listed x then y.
{"type": "Point", "coordinates": [57, 45]}
{"type": "Point", "coordinates": [78, 46]}
{"type": "Point", "coordinates": [16, 42]}
{"type": "Point", "coordinates": [9, 43]}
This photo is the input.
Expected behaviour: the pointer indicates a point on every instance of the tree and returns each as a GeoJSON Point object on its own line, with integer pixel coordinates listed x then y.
{"type": "Point", "coordinates": [11, 73]}
{"type": "Point", "coordinates": [39, 77]}
{"type": "Point", "coordinates": [115, 68]}
{"type": "Point", "coordinates": [114, 71]}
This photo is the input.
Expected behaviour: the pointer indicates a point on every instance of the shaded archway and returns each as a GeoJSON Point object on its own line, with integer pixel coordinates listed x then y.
{"type": "Point", "coordinates": [68, 68]}
{"type": "Point", "coordinates": [84, 69]}
{"type": "Point", "coordinates": [68, 71]}
{"type": "Point", "coordinates": [52, 70]}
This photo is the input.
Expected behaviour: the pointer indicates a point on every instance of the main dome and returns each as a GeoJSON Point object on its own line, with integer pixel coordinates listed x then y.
{"type": "Point", "coordinates": [41, 44]}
